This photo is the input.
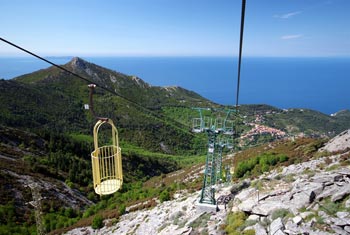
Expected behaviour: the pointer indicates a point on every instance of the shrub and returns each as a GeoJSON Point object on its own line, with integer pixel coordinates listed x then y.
{"type": "Point", "coordinates": [235, 222]}
{"type": "Point", "coordinates": [122, 209]}
{"type": "Point", "coordinates": [164, 196]}
{"type": "Point", "coordinates": [97, 222]}
{"type": "Point", "coordinates": [259, 164]}
{"type": "Point", "coordinates": [249, 232]}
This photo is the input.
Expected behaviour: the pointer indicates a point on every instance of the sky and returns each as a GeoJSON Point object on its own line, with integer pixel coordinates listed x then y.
{"type": "Point", "coordinates": [273, 28]}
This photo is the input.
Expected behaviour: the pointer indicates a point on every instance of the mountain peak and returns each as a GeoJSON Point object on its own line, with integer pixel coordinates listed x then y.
{"type": "Point", "coordinates": [78, 62]}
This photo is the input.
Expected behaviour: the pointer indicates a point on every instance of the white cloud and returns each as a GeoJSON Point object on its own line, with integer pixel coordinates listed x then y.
{"type": "Point", "coordinates": [288, 15]}
{"type": "Point", "coordinates": [292, 36]}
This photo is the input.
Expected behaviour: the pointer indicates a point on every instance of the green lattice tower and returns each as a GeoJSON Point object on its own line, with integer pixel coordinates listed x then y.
{"type": "Point", "coordinates": [219, 147]}
{"type": "Point", "coordinates": [213, 171]}
{"type": "Point", "coordinates": [208, 191]}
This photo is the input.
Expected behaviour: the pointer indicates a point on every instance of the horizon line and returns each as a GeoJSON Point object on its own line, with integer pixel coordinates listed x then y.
{"type": "Point", "coordinates": [175, 56]}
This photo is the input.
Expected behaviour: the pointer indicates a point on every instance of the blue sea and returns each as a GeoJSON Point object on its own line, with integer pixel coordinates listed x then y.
{"type": "Point", "coordinates": [316, 83]}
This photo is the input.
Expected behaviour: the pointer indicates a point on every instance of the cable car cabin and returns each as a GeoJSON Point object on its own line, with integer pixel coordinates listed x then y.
{"type": "Point", "coordinates": [106, 162]}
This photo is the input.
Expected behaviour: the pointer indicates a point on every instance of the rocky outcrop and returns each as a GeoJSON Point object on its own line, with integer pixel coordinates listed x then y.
{"type": "Point", "coordinates": [52, 189]}
{"type": "Point", "coordinates": [301, 199]}
{"type": "Point", "coordinates": [339, 143]}
{"type": "Point", "coordinates": [179, 216]}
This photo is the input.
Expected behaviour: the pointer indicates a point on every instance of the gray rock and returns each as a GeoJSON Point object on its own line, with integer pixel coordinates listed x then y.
{"type": "Point", "coordinates": [347, 228]}
{"type": "Point", "coordinates": [246, 193]}
{"type": "Point", "coordinates": [291, 227]}
{"type": "Point", "coordinates": [306, 192]}
{"type": "Point", "coordinates": [347, 203]}
{"type": "Point", "coordinates": [266, 208]}
{"type": "Point", "coordinates": [259, 229]}
{"type": "Point", "coordinates": [276, 225]}
{"type": "Point", "coordinates": [297, 219]}
{"type": "Point", "coordinates": [343, 192]}
{"type": "Point", "coordinates": [290, 232]}
{"type": "Point", "coordinates": [341, 222]}
{"type": "Point", "coordinates": [339, 230]}
{"type": "Point", "coordinates": [338, 143]}
{"type": "Point", "coordinates": [247, 205]}
{"type": "Point", "coordinates": [328, 191]}
{"type": "Point", "coordinates": [341, 184]}
{"type": "Point", "coordinates": [342, 214]}
{"type": "Point", "coordinates": [279, 232]}
{"type": "Point", "coordinates": [253, 217]}
{"type": "Point", "coordinates": [344, 171]}
{"type": "Point", "coordinates": [326, 178]}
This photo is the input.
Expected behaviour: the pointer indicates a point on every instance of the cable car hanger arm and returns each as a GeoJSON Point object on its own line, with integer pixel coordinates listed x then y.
{"type": "Point", "coordinates": [91, 104]}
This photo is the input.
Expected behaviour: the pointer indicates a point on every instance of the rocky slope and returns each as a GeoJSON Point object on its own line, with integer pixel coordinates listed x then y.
{"type": "Point", "coordinates": [305, 198]}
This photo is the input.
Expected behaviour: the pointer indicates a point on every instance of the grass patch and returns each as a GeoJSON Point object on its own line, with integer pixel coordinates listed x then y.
{"type": "Point", "coordinates": [280, 213]}
{"type": "Point", "coordinates": [201, 221]}
{"type": "Point", "coordinates": [82, 138]}
{"type": "Point", "coordinates": [330, 207]}
{"type": "Point", "coordinates": [333, 167]}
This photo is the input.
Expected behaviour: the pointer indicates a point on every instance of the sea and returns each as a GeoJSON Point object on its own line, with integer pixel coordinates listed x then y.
{"type": "Point", "coordinates": [321, 84]}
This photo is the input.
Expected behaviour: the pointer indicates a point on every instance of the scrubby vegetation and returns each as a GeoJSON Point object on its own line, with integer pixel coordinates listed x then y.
{"type": "Point", "coordinates": [258, 164]}
{"type": "Point", "coordinates": [235, 224]}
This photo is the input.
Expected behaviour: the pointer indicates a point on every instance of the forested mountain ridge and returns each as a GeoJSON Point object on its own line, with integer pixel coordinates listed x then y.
{"type": "Point", "coordinates": [130, 87]}
{"type": "Point", "coordinates": [53, 100]}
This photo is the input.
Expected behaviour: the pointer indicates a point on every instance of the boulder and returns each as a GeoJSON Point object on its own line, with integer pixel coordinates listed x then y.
{"type": "Point", "coordinates": [254, 217]}
{"type": "Point", "coordinates": [297, 220]}
{"type": "Point", "coordinates": [276, 225]}
{"type": "Point", "coordinates": [247, 205]}
{"type": "Point", "coordinates": [328, 191]}
{"type": "Point", "coordinates": [306, 192]}
{"type": "Point", "coordinates": [347, 228]}
{"type": "Point", "coordinates": [266, 208]}
{"type": "Point", "coordinates": [259, 229]}
{"type": "Point", "coordinates": [341, 222]}
{"type": "Point", "coordinates": [339, 143]}
{"type": "Point", "coordinates": [347, 203]}
{"type": "Point", "coordinates": [339, 230]}
{"type": "Point", "coordinates": [342, 214]}
{"type": "Point", "coordinates": [243, 195]}
{"type": "Point", "coordinates": [326, 178]}
{"type": "Point", "coordinates": [279, 232]}
{"type": "Point", "coordinates": [343, 192]}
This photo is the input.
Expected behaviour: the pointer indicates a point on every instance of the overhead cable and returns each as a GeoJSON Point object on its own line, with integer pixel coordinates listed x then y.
{"type": "Point", "coordinates": [240, 51]}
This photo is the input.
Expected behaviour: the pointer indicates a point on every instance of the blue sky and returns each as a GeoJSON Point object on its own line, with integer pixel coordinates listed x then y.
{"type": "Point", "coordinates": [288, 28]}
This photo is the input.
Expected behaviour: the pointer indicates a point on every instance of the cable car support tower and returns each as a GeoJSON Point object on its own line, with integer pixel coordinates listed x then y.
{"type": "Point", "coordinates": [220, 135]}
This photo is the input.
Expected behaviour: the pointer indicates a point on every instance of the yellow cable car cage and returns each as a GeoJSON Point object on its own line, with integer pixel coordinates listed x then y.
{"type": "Point", "coordinates": [106, 162]}
{"type": "Point", "coordinates": [107, 169]}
